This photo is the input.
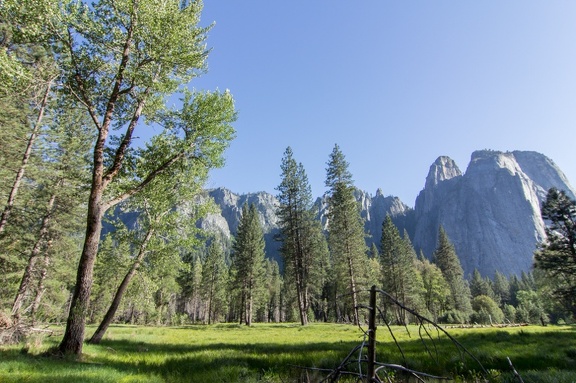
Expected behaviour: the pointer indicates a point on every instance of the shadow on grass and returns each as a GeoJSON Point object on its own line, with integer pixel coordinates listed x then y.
{"type": "Point", "coordinates": [137, 361]}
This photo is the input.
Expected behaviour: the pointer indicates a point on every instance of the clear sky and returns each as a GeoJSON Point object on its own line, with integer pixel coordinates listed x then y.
{"type": "Point", "coordinates": [394, 83]}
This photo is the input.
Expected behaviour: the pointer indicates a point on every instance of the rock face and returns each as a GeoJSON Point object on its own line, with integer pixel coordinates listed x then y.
{"type": "Point", "coordinates": [226, 222]}
{"type": "Point", "coordinates": [492, 212]}
{"type": "Point", "coordinates": [373, 209]}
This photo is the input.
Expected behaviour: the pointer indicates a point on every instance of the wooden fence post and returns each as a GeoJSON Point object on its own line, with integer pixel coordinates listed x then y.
{"type": "Point", "coordinates": [371, 376]}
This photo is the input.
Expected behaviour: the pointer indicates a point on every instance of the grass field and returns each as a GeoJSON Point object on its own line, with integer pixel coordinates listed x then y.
{"type": "Point", "coordinates": [277, 353]}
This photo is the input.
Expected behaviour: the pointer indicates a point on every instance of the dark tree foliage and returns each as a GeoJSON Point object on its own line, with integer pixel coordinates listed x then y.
{"type": "Point", "coordinates": [345, 231]}
{"type": "Point", "coordinates": [303, 245]}
{"type": "Point", "coordinates": [248, 261]}
{"type": "Point", "coordinates": [446, 259]}
{"type": "Point", "coordinates": [556, 256]}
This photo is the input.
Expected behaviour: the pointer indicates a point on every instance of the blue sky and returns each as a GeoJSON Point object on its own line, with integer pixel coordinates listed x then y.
{"type": "Point", "coordinates": [394, 83]}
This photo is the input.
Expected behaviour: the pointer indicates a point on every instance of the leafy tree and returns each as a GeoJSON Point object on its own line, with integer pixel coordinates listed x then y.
{"type": "Point", "coordinates": [436, 291]}
{"type": "Point", "coordinates": [530, 307]}
{"type": "Point", "coordinates": [447, 261]}
{"type": "Point", "coordinates": [248, 261]}
{"type": "Point", "coordinates": [345, 230]}
{"type": "Point", "coordinates": [113, 260]}
{"type": "Point", "coordinates": [121, 59]}
{"type": "Point", "coordinates": [556, 256]}
{"type": "Point", "coordinates": [486, 310]}
{"type": "Point", "coordinates": [190, 281]}
{"type": "Point", "coordinates": [303, 245]}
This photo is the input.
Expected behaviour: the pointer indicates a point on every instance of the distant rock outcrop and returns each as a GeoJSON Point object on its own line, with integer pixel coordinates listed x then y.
{"type": "Point", "coordinates": [492, 212]}
{"type": "Point", "coordinates": [225, 223]}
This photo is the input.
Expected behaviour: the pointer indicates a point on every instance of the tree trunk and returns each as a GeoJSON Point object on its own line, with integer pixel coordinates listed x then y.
{"type": "Point", "coordinates": [40, 289]}
{"type": "Point", "coordinates": [353, 290]}
{"type": "Point", "coordinates": [32, 259]}
{"type": "Point", "coordinates": [75, 325]}
{"type": "Point", "coordinates": [99, 334]}
{"type": "Point", "coordinates": [25, 158]}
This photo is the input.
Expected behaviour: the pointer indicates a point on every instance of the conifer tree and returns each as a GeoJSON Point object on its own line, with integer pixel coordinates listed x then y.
{"type": "Point", "coordinates": [248, 261]}
{"type": "Point", "coordinates": [481, 286]}
{"type": "Point", "coordinates": [557, 255]}
{"type": "Point", "coordinates": [501, 288]}
{"type": "Point", "coordinates": [398, 263]}
{"type": "Point", "coordinates": [345, 231]}
{"type": "Point", "coordinates": [274, 287]}
{"type": "Point", "coordinates": [447, 261]}
{"type": "Point", "coordinates": [214, 281]}
{"type": "Point", "coordinates": [303, 245]}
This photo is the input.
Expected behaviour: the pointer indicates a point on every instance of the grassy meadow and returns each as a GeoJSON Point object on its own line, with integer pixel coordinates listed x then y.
{"type": "Point", "coordinates": [278, 353]}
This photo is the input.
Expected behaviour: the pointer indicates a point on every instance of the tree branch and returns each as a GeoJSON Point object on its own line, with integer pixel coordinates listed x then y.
{"type": "Point", "coordinates": [151, 176]}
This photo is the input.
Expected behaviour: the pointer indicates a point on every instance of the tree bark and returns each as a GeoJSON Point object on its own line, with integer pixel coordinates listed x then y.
{"type": "Point", "coordinates": [25, 158]}
{"type": "Point", "coordinates": [75, 325]}
{"type": "Point", "coordinates": [353, 290]}
{"type": "Point", "coordinates": [99, 334]}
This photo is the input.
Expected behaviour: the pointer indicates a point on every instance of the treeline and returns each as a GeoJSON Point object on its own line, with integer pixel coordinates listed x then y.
{"type": "Point", "coordinates": [324, 275]}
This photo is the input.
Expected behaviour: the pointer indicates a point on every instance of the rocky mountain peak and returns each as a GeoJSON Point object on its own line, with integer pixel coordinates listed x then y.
{"type": "Point", "coordinates": [444, 168]}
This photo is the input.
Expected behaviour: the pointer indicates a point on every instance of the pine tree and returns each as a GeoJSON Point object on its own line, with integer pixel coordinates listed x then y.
{"type": "Point", "coordinates": [303, 245]}
{"type": "Point", "coordinates": [248, 261]}
{"type": "Point", "coordinates": [557, 255]}
{"type": "Point", "coordinates": [501, 288]}
{"type": "Point", "coordinates": [345, 230]}
{"type": "Point", "coordinates": [274, 287]}
{"type": "Point", "coordinates": [214, 280]}
{"type": "Point", "coordinates": [447, 261]}
{"type": "Point", "coordinates": [481, 286]}
{"type": "Point", "coordinates": [398, 265]}
{"type": "Point", "coordinates": [60, 180]}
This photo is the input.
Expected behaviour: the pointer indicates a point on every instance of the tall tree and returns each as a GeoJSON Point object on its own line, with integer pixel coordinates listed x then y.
{"type": "Point", "coordinates": [28, 75]}
{"type": "Point", "coordinates": [556, 256]}
{"type": "Point", "coordinates": [398, 265]}
{"type": "Point", "coordinates": [248, 261]}
{"type": "Point", "coordinates": [447, 261]}
{"type": "Point", "coordinates": [345, 230]}
{"type": "Point", "coordinates": [121, 59]}
{"type": "Point", "coordinates": [60, 180]}
{"type": "Point", "coordinates": [214, 281]}
{"type": "Point", "coordinates": [303, 245]}
{"type": "Point", "coordinates": [274, 287]}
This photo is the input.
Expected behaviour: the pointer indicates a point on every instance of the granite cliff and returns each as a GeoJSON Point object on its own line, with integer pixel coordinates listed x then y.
{"type": "Point", "coordinates": [492, 212]}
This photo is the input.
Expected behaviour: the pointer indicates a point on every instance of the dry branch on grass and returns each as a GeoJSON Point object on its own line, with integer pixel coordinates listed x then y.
{"type": "Point", "coordinates": [12, 333]}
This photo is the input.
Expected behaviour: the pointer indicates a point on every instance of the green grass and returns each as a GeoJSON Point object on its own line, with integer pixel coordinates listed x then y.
{"type": "Point", "coordinates": [276, 353]}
